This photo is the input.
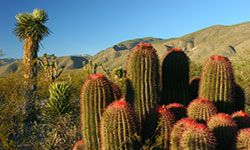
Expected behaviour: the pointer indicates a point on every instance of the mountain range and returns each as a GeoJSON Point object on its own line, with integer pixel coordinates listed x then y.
{"type": "Point", "coordinates": [232, 41]}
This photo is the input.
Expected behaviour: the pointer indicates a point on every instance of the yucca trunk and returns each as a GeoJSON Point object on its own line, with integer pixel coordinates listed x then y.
{"type": "Point", "coordinates": [29, 55]}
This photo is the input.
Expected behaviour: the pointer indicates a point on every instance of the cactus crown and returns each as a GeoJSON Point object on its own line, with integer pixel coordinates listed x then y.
{"type": "Point", "coordinates": [219, 58]}
{"type": "Point", "coordinates": [96, 76]}
{"type": "Point", "coordinates": [221, 119]}
{"type": "Point", "coordinates": [144, 45]}
{"type": "Point", "coordinates": [176, 49]}
{"type": "Point", "coordinates": [240, 114]}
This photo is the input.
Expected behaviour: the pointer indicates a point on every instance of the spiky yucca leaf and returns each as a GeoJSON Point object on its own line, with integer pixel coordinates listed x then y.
{"type": "Point", "coordinates": [59, 100]}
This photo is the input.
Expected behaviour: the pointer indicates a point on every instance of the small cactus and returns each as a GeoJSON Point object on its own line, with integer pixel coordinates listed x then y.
{"type": "Point", "coordinates": [243, 139]}
{"type": "Point", "coordinates": [165, 124]}
{"type": "Point", "coordinates": [242, 119]}
{"type": "Point", "coordinates": [178, 110]}
{"type": "Point", "coordinates": [118, 127]}
{"type": "Point", "coordinates": [224, 129]}
{"type": "Point", "coordinates": [143, 72]}
{"type": "Point", "coordinates": [96, 94]}
{"type": "Point", "coordinates": [198, 137]}
{"type": "Point", "coordinates": [79, 145]}
{"type": "Point", "coordinates": [217, 83]}
{"type": "Point", "coordinates": [175, 77]}
{"type": "Point", "coordinates": [201, 109]}
{"type": "Point", "coordinates": [177, 131]}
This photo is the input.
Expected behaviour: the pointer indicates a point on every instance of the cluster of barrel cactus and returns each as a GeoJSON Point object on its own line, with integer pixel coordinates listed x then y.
{"type": "Point", "coordinates": [157, 110]}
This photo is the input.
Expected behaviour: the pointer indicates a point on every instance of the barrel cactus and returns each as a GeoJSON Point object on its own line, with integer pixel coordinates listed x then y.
{"type": "Point", "coordinates": [242, 119]}
{"type": "Point", "coordinates": [217, 83]}
{"type": "Point", "coordinates": [143, 73]}
{"type": "Point", "coordinates": [198, 137]}
{"type": "Point", "coordinates": [178, 110]}
{"type": "Point", "coordinates": [224, 129]}
{"type": "Point", "coordinates": [243, 139]}
{"type": "Point", "coordinates": [96, 94]}
{"type": "Point", "coordinates": [165, 124]}
{"type": "Point", "coordinates": [118, 127]}
{"type": "Point", "coordinates": [201, 109]}
{"type": "Point", "coordinates": [79, 145]}
{"type": "Point", "coordinates": [177, 131]}
{"type": "Point", "coordinates": [175, 77]}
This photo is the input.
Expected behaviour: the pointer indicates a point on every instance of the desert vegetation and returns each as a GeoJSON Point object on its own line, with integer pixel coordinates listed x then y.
{"type": "Point", "coordinates": [151, 103]}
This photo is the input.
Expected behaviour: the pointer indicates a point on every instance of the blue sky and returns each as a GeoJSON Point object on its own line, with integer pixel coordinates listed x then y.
{"type": "Point", "coordinates": [88, 26]}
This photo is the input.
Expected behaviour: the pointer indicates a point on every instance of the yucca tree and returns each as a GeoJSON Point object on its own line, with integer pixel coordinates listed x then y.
{"type": "Point", "coordinates": [30, 28]}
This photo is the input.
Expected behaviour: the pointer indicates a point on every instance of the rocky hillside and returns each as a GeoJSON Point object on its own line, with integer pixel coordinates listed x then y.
{"type": "Point", "coordinates": [231, 41]}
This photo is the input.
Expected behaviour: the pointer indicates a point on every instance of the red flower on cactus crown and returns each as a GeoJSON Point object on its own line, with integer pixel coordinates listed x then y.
{"type": "Point", "coordinates": [187, 121]}
{"type": "Point", "coordinates": [78, 144]}
{"type": "Point", "coordinates": [219, 58]}
{"type": "Point", "coordinates": [119, 104]}
{"type": "Point", "coordinates": [176, 49]}
{"type": "Point", "coordinates": [200, 126]}
{"type": "Point", "coordinates": [143, 44]}
{"type": "Point", "coordinates": [222, 116]}
{"type": "Point", "coordinates": [175, 105]}
{"type": "Point", "coordinates": [240, 114]}
{"type": "Point", "coordinates": [96, 76]}
{"type": "Point", "coordinates": [161, 109]}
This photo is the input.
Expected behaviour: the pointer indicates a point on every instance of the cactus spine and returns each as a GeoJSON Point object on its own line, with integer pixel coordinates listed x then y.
{"type": "Point", "coordinates": [165, 124]}
{"type": "Point", "coordinates": [177, 131]}
{"type": "Point", "coordinates": [243, 139]}
{"type": "Point", "coordinates": [198, 137]}
{"type": "Point", "coordinates": [96, 94]}
{"type": "Point", "coordinates": [178, 110]}
{"type": "Point", "coordinates": [175, 77]}
{"type": "Point", "coordinates": [201, 109]}
{"type": "Point", "coordinates": [143, 72]}
{"type": "Point", "coordinates": [217, 83]}
{"type": "Point", "coordinates": [224, 129]}
{"type": "Point", "coordinates": [242, 119]}
{"type": "Point", "coordinates": [118, 127]}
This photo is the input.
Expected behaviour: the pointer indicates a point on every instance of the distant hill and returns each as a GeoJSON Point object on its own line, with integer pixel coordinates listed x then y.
{"type": "Point", "coordinates": [69, 62]}
{"type": "Point", "coordinates": [231, 41]}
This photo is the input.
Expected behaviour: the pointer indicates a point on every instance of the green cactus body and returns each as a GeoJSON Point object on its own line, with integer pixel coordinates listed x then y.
{"type": "Point", "coordinates": [165, 124]}
{"type": "Point", "coordinates": [224, 129]}
{"type": "Point", "coordinates": [178, 110]}
{"type": "Point", "coordinates": [175, 77]}
{"type": "Point", "coordinates": [143, 73]}
{"type": "Point", "coordinates": [243, 139]}
{"type": "Point", "coordinates": [177, 131]}
{"type": "Point", "coordinates": [242, 119]}
{"type": "Point", "coordinates": [217, 83]}
{"type": "Point", "coordinates": [198, 137]}
{"type": "Point", "coordinates": [79, 145]}
{"type": "Point", "coordinates": [201, 109]}
{"type": "Point", "coordinates": [96, 94]}
{"type": "Point", "coordinates": [118, 127]}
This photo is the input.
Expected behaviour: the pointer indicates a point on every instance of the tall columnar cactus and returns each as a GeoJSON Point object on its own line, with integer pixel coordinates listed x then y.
{"type": "Point", "coordinates": [240, 98]}
{"type": "Point", "coordinates": [201, 109]}
{"type": "Point", "coordinates": [217, 83]}
{"type": "Point", "coordinates": [224, 129]}
{"type": "Point", "coordinates": [242, 119]}
{"type": "Point", "coordinates": [198, 137]}
{"type": "Point", "coordinates": [175, 77]}
{"type": "Point", "coordinates": [177, 131]}
{"type": "Point", "coordinates": [118, 127]}
{"type": "Point", "coordinates": [165, 124]}
{"type": "Point", "coordinates": [143, 72]}
{"type": "Point", "coordinates": [178, 110]}
{"type": "Point", "coordinates": [96, 94]}
{"type": "Point", "coordinates": [243, 139]}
